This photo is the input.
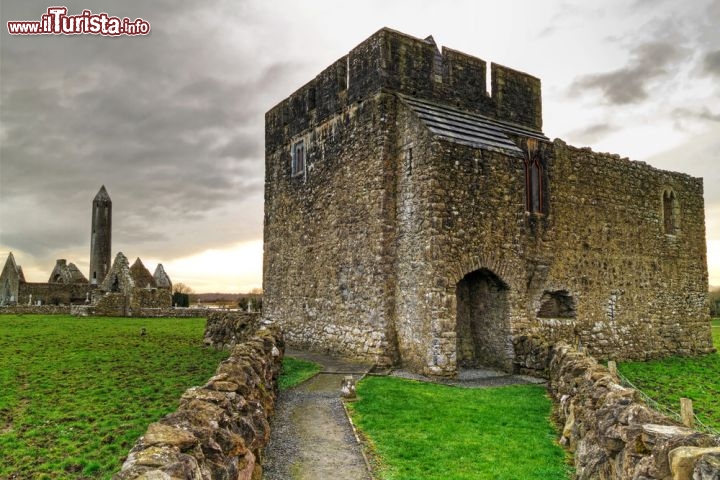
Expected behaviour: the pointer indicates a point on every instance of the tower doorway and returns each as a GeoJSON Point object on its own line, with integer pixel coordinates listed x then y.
{"type": "Point", "coordinates": [483, 325]}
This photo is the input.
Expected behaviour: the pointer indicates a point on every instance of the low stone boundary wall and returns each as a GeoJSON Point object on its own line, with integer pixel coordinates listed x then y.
{"type": "Point", "coordinates": [612, 433]}
{"type": "Point", "coordinates": [226, 328]}
{"type": "Point", "coordinates": [219, 430]}
{"type": "Point", "coordinates": [35, 309]}
{"type": "Point", "coordinates": [172, 312]}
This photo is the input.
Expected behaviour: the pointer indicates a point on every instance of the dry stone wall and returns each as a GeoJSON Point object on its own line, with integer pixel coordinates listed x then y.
{"type": "Point", "coordinates": [225, 329]}
{"type": "Point", "coordinates": [612, 433]}
{"type": "Point", "coordinates": [35, 309]}
{"type": "Point", "coordinates": [220, 429]}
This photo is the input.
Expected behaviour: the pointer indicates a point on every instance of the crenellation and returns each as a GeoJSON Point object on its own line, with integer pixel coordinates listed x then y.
{"type": "Point", "coordinates": [516, 96]}
{"type": "Point", "coordinates": [391, 61]}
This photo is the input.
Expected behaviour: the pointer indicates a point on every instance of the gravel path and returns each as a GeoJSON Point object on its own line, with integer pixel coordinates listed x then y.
{"type": "Point", "coordinates": [310, 435]}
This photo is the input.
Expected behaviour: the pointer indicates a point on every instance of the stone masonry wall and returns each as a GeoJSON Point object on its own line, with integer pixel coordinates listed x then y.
{"type": "Point", "coordinates": [172, 312]}
{"type": "Point", "coordinates": [35, 309]}
{"type": "Point", "coordinates": [460, 209]}
{"type": "Point", "coordinates": [140, 302]}
{"type": "Point", "coordinates": [220, 429]}
{"type": "Point", "coordinates": [224, 329]}
{"type": "Point", "coordinates": [393, 61]}
{"type": "Point", "coordinates": [55, 293]}
{"type": "Point", "coordinates": [112, 305]}
{"type": "Point", "coordinates": [635, 291]}
{"type": "Point", "coordinates": [328, 234]}
{"type": "Point", "coordinates": [640, 292]}
{"type": "Point", "coordinates": [150, 298]}
{"type": "Point", "coordinates": [613, 434]}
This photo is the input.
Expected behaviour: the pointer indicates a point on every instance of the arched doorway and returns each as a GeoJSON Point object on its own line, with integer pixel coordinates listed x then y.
{"type": "Point", "coordinates": [483, 326]}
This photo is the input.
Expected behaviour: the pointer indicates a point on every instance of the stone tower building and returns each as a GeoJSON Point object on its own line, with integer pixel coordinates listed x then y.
{"type": "Point", "coordinates": [100, 239]}
{"type": "Point", "coordinates": [413, 217]}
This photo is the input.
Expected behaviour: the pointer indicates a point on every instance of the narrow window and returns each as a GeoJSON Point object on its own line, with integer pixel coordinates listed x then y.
{"type": "Point", "coordinates": [670, 212]}
{"type": "Point", "coordinates": [533, 178]}
{"type": "Point", "coordinates": [408, 161]}
{"type": "Point", "coordinates": [298, 158]}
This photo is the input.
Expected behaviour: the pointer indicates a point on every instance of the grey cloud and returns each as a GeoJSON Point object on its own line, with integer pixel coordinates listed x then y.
{"type": "Point", "coordinates": [592, 133]}
{"type": "Point", "coordinates": [649, 62]}
{"type": "Point", "coordinates": [160, 120]}
{"type": "Point", "coordinates": [711, 63]}
{"type": "Point", "coordinates": [702, 113]}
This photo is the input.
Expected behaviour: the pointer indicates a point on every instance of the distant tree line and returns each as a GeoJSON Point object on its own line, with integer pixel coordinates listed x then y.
{"type": "Point", "coordinates": [714, 300]}
{"type": "Point", "coordinates": [245, 300]}
{"type": "Point", "coordinates": [181, 295]}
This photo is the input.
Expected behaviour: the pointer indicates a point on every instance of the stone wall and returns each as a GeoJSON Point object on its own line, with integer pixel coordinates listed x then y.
{"type": "Point", "coordinates": [220, 429]}
{"type": "Point", "coordinates": [111, 311]}
{"type": "Point", "coordinates": [612, 433]}
{"type": "Point", "coordinates": [224, 329]}
{"type": "Point", "coordinates": [150, 298]}
{"type": "Point", "coordinates": [140, 302]}
{"type": "Point", "coordinates": [640, 291]}
{"type": "Point", "coordinates": [36, 309]}
{"type": "Point", "coordinates": [328, 270]}
{"type": "Point", "coordinates": [54, 293]}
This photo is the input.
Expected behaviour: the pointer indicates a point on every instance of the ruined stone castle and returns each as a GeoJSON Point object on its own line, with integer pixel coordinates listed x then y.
{"type": "Point", "coordinates": [114, 288]}
{"type": "Point", "coordinates": [413, 217]}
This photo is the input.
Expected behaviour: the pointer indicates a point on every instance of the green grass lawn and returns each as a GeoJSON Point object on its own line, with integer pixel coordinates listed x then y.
{"type": "Point", "coordinates": [76, 393]}
{"type": "Point", "coordinates": [422, 431]}
{"type": "Point", "coordinates": [296, 371]}
{"type": "Point", "coordinates": [667, 380]}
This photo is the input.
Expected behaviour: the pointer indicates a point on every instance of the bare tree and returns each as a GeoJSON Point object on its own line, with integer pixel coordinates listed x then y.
{"type": "Point", "coordinates": [182, 288]}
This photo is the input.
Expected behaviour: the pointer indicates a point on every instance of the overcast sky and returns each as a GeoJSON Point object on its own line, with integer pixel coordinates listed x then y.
{"type": "Point", "coordinates": [172, 122]}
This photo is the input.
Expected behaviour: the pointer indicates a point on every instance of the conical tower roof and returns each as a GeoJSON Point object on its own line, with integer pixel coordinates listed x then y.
{"type": "Point", "coordinates": [162, 280]}
{"type": "Point", "coordinates": [102, 196]}
{"type": "Point", "coordinates": [141, 275]}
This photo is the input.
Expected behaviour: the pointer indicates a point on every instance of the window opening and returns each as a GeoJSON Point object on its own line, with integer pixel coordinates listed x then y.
{"type": "Point", "coordinates": [533, 178]}
{"type": "Point", "coordinates": [669, 212]}
{"type": "Point", "coordinates": [298, 158]}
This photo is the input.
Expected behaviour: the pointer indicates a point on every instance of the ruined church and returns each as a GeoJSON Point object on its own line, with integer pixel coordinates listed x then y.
{"type": "Point", "coordinates": [413, 217]}
{"type": "Point", "coordinates": [114, 288]}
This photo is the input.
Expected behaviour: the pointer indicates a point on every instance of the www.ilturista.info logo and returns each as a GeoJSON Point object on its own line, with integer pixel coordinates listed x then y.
{"type": "Point", "coordinates": [57, 22]}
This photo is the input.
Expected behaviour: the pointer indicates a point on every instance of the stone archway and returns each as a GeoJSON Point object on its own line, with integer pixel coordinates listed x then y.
{"type": "Point", "coordinates": [483, 325]}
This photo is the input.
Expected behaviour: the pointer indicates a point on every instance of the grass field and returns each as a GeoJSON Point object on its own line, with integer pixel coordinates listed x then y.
{"type": "Point", "coordinates": [296, 371]}
{"type": "Point", "coordinates": [435, 432]}
{"type": "Point", "coordinates": [667, 380]}
{"type": "Point", "coordinates": [75, 393]}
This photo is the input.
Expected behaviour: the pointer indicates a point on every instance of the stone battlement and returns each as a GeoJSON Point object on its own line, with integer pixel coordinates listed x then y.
{"type": "Point", "coordinates": [396, 62]}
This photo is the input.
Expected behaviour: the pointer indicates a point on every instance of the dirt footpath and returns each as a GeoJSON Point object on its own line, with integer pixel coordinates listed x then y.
{"type": "Point", "coordinates": [311, 437]}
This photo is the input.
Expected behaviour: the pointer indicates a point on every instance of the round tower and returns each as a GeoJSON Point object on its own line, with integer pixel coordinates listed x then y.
{"type": "Point", "coordinates": [100, 238]}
